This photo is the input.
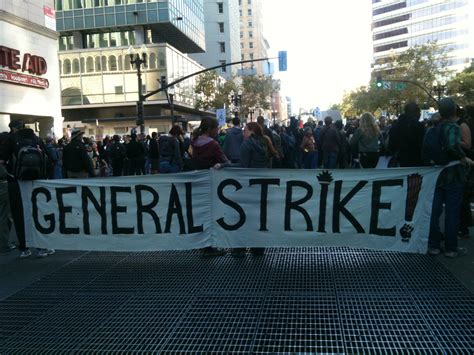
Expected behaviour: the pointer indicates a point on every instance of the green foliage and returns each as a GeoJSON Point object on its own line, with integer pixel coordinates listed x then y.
{"type": "Point", "coordinates": [462, 87]}
{"type": "Point", "coordinates": [421, 64]}
{"type": "Point", "coordinates": [211, 92]}
{"type": "Point", "coordinates": [257, 91]}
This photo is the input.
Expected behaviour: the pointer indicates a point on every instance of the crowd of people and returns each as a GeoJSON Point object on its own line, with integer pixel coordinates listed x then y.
{"type": "Point", "coordinates": [359, 143]}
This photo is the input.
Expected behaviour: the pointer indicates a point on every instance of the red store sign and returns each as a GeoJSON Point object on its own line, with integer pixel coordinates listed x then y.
{"type": "Point", "coordinates": [10, 58]}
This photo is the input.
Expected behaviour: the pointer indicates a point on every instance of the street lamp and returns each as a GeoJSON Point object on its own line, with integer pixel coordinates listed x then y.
{"type": "Point", "coordinates": [236, 99]}
{"type": "Point", "coordinates": [251, 112]}
{"type": "Point", "coordinates": [171, 93]}
{"type": "Point", "coordinates": [137, 59]}
{"type": "Point", "coordinates": [439, 88]}
{"type": "Point", "coordinates": [274, 114]}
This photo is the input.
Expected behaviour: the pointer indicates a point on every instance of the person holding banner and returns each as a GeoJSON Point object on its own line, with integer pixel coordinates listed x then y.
{"type": "Point", "coordinates": [255, 152]}
{"type": "Point", "coordinates": [207, 153]}
{"type": "Point", "coordinates": [367, 141]}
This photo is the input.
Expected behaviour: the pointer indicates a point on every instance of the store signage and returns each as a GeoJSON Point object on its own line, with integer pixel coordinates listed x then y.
{"type": "Point", "coordinates": [11, 58]}
{"type": "Point", "coordinates": [23, 79]}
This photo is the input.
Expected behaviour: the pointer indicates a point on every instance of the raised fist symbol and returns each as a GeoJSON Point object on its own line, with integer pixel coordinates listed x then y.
{"type": "Point", "coordinates": [405, 232]}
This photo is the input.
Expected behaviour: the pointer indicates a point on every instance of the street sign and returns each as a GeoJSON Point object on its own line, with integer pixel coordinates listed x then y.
{"type": "Point", "coordinates": [221, 116]}
{"type": "Point", "coordinates": [282, 61]}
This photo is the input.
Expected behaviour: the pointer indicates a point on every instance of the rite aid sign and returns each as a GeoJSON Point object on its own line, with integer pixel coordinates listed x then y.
{"type": "Point", "coordinates": [11, 58]}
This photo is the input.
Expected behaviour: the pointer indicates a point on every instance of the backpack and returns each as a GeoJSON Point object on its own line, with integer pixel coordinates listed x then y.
{"type": "Point", "coordinates": [434, 151]}
{"type": "Point", "coordinates": [29, 160]}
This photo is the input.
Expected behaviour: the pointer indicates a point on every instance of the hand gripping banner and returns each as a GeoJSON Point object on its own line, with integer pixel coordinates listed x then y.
{"type": "Point", "coordinates": [379, 209]}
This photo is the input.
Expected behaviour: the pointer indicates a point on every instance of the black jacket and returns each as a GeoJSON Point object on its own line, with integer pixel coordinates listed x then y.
{"type": "Point", "coordinates": [76, 159]}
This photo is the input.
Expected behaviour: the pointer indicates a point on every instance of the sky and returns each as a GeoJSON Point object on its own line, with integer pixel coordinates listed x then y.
{"type": "Point", "coordinates": [329, 48]}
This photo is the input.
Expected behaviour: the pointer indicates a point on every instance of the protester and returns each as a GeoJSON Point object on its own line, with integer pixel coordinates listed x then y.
{"type": "Point", "coordinates": [170, 153]}
{"type": "Point", "coordinates": [233, 140]}
{"type": "Point", "coordinates": [367, 141]}
{"type": "Point", "coordinates": [330, 144]}
{"type": "Point", "coordinates": [23, 154]}
{"type": "Point", "coordinates": [309, 148]}
{"type": "Point", "coordinates": [450, 185]}
{"type": "Point", "coordinates": [154, 153]}
{"type": "Point", "coordinates": [76, 162]}
{"type": "Point", "coordinates": [406, 137]}
{"type": "Point", "coordinates": [206, 154]}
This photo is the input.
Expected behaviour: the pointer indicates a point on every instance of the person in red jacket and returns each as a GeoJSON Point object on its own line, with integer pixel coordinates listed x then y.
{"type": "Point", "coordinates": [206, 154]}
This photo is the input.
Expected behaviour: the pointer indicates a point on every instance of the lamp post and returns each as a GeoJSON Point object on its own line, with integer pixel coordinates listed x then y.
{"type": "Point", "coordinates": [439, 88]}
{"type": "Point", "coordinates": [251, 112]}
{"type": "Point", "coordinates": [171, 93]}
{"type": "Point", "coordinates": [274, 114]}
{"type": "Point", "coordinates": [137, 59]}
{"type": "Point", "coordinates": [236, 99]}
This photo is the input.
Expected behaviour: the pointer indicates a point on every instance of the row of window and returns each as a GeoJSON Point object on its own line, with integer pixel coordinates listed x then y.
{"type": "Point", "coordinates": [418, 40]}
{"type": "Point", "coordinates": [64, 5]}
{"type": "Point", "coordinates": [249, 12]}
{"type": "Point", "coordinates": [421, 26]}
{"type": "Point", "coordinates": [389, 8]}
{"type": "Point", "coordinates": [107, 63]}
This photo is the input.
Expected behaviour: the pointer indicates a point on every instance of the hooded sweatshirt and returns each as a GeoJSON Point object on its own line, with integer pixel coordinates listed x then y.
{"type": "Point", "coordinates": [254, 153]}
{"type": "Point", "coordinates": [207, 152]}
{"type": "Point", "coordinates": [232, 143]}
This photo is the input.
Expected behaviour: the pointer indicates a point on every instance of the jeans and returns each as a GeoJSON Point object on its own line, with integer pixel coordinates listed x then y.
{"type": "Point", "coordinates": [451, 195]}
{"type": "Point", "coordinates": [330, 160]}
{"type": "Point", "coordinates": [310, 160]}
{"type": "Point", "coordinates": [166, 167]}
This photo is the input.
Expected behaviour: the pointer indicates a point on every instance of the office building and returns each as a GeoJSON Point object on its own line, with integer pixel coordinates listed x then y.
{"type": "Point", "coordinates": [398, 25]}
{"type": "Point", "coordinates": [253, 44]}
{"type": "Point", "coordinates": [222, 27]}
{"type": "Point", "coordinates": [99, 83]}
{"type": "Point", "coordinates": [29, 73]}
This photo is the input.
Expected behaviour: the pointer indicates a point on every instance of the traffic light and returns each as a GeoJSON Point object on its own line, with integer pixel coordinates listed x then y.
{"type": "Point", "coordinates": [282, 61]}
{"type": "Point", "coordinates": [379, 82]}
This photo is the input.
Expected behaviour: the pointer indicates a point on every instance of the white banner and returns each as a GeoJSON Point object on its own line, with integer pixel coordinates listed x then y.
{"type": "Point", "coordinates": [379, 209]}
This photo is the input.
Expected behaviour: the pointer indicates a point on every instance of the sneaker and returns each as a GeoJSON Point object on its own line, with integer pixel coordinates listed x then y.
{"type": "Point", "coordinates": [25, 253]}
{"type": "Point", "coordinates": [43, 253]}
{"type": "Point", "coordinates": [455, 254]}
{"type": "Point", "coordinates": [434, 251]}
{"type": "Point", "coordinates": [212, 252]}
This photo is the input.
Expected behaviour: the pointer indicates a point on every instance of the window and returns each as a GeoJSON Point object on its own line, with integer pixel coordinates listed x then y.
{"type": "Point", "coordinates": [221, 27]}
{"type": "Point", "coordinates": [223, 63]}
{"type": "Point", "coordinates": [249, 12]}
{"type": "Point", "coordinates": [250, 24]}
{"type": "Point", "coordinates": [220, 7]}
{"type": "Point", "coordinates": [67, 66]}
{"type": "Point", "coordinates": [75, 66]}
{"type": "Point", "coordinates": [118, 90]}
{"type": "Point", "coordinates": [250, 44]}
{"type": "Point", "coordinates": [222, 47]}
{"type": "Point", "coordinates": [112, 63]}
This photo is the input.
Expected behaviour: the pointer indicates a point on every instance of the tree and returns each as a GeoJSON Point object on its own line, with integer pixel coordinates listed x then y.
{"type": "Point", "coordinates": [462, 87]}
{"type": "Point", "coordinates": [257, 91]}
{"type": "Point", "coordinates": [211, 92]}
{"type": "Point", "coordinates": [420, 64]}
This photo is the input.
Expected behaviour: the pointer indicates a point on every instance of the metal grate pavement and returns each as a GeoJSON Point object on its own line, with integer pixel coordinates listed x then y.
{"type": "Point", "coordinates": [291, 300]}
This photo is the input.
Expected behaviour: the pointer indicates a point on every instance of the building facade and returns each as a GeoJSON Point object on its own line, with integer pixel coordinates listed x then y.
{"type": "Point", "coordinates": [29, 71]}
{"type": "Point", "coordinates": [253, 44]}
{"type": "Point", "coordinates": [222, 27]}
{"type": "Point", "coordinates": [99, 82]}
{"type": "Point", "coordinates": [400, 24]}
